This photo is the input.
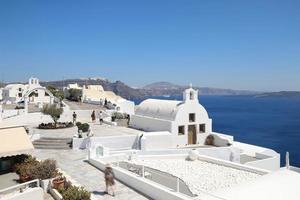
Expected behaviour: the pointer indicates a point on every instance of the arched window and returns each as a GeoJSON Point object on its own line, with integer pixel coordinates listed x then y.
{"type": "Point", "coordinates": [191, 95]}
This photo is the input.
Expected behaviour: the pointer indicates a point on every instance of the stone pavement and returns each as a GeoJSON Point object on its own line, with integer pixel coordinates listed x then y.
{"type": "Point", "coordinates": [74, 164]}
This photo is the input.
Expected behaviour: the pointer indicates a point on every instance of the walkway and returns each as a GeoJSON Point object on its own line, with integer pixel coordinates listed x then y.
{"type": "Point", "coordinates": [82, 106]}
{"type": "Point", "coordinates": [74, 164]}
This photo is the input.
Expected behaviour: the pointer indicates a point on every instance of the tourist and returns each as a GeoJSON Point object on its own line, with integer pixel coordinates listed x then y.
{"type": "Point", "coordinates": [128, 119]}
{"type": "Point", "coordinates": [105, 102]}
{"type": "Point", "coordinates": [109, 177]}
{"type": "Point", "coordinates": [100, 117]}
{"type": "Point", "coordinates": [93, 116]}
{"type": "Point", "coordinates": [74, 117]}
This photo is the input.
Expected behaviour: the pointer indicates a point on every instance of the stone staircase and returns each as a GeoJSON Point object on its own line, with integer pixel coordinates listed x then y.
{"type": "Point", "coordinates": [52, 143]}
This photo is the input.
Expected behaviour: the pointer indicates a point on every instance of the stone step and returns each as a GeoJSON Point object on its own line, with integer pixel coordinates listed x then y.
{"type": "Point", "coordinates": [51, 147]}
{"type": "Point", "coordinates": [51, 144]}
{"type": "Point", "coordinates": [52, 141]}
{"type": "Point", "coordinates": [56, 138]}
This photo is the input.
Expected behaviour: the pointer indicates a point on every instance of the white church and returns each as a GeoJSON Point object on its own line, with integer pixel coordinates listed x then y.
{"type": "Point", "coordinates": [186, 120]}
{"type": "Point", "coordinates": [32, 93]}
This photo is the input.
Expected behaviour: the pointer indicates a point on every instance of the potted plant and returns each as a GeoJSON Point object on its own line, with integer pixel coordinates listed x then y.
{"type": "Point", "coordinates": [44, 171]}
{"type": "Point", "coordinates": [23, 172]}
{"type": "Point", "coordinates": [59, 181]}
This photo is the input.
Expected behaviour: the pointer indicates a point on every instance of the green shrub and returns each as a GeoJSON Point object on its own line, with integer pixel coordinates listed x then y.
{"type": "Point", "coordinates": [83, 127]}
{"type": "Point", "coordinates": [75, 193]}
{"type": "Point", "coordinates": [118, 115]}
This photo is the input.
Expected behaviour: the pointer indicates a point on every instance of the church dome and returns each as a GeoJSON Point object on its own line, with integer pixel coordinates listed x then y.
{"type": "Point", "coordinates": [161, 109]}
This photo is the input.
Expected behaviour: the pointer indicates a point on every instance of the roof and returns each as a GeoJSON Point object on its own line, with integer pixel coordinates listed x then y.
{"type": "Point", "coordinates": [156, 108]}
{"type": "Point", "coordinates": [14, 141]}
{"type": "Point", "coordinates": [280, 185]}
{"type": "Point", "coordinates": [10, 86]}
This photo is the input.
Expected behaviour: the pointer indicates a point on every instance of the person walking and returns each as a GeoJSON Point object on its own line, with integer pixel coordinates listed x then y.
{"type": "Point", "coordinates": [93, 116]}
{"type": "Point", "coordinates": [109, 177]}
{"type": "Point", "coordinates": [74, 117]}
{"type": "Point", "coordinates": [100, 117]}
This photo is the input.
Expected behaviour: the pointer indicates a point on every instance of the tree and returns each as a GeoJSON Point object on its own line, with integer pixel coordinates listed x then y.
{"type": "Point", "coordinates": [54, 111]}
{"type": "Point", "coordinates": [74, 94]}
{"type": "Point", "coordinates": [56, 92]}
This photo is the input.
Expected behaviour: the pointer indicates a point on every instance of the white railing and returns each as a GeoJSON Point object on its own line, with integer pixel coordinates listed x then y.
{"type": "Point", "coordinates": [20, 187]}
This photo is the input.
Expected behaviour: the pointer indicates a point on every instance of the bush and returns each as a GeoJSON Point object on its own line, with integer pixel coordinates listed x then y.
{"type": "Point", "coordinates": [209, 140]}
{"type": "Point", "coordinates": [23, 167]}
{"type": "Point", "coordinates": [83, 127]}
{"type": "Point", "coordinates": [58, 125]}
{"type": "Point", "coordinates": [74, 94]}
{"type": "Point", "coordinates": [75, 193]}
{"type": "Point", "coordinates": [118, 115]}
{"type": "Point", "coordinates": [43, 170]}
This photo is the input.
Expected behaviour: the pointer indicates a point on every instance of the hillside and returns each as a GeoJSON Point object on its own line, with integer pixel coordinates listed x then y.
{"type": "Point", "coordinates": [166, 88]}
{"type": "Point", "coordinates": [117, 87]}
{"type": "Point", "coordinates": [283, 94]}
{"type": "Point", "coordinates": [163, 89]}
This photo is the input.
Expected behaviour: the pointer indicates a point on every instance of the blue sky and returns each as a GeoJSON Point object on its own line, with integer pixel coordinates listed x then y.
{"type": "Point", "coordinates": [228, 44]}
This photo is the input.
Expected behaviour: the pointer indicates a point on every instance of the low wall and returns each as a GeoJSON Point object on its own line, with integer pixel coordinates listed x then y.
{"type": "Point", "coordinates": [28, 194]}
{"type": "Point", "coordinates": [147, 187]}
{"type": "Point", "coordinates": [114, 142]}
{"type": "Point", "coordinates": [149, 124]}
{"type": "Point", "coordinates": [271, 163]}
{"type": "Point", "coordinates": [80, 143]}
{"type": "Point", "coordinates": [157, 140]}
{"type": "Point", "coordinates": [223, 153]}
{"type": "Point", "coordinates": [12, 113]}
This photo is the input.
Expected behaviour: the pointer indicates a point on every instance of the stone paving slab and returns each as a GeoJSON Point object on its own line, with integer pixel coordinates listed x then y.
{"type": "Point", "coordinates": [74, 164]}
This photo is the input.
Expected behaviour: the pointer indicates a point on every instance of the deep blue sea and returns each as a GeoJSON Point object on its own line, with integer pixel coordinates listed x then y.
{"type": "Point", "coordinates": [267, 122]}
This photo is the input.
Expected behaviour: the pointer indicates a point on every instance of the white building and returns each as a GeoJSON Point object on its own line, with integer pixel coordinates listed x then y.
{"type": "Point", "coordinates": [32, 92]}
{"type": "Point", "coordinates": [95, 94]}
{"type": "Point", "coordinates": [187, 120]}
{"type": "Point", "coordinates": [1, 89]}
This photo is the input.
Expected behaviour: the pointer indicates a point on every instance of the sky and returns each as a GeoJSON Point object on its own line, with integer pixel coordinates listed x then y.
{"type": "Point", "coordinates": [253, 45]}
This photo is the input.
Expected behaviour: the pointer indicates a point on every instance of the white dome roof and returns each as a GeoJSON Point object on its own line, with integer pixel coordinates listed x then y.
{"type": "Point", "coordinates": [162, 109]}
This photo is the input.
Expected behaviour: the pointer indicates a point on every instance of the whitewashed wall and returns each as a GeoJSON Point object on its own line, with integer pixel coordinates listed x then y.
{"type": "Point", "coordinates": [28, 194]}
{"type": "Point", "coordinates": [150, 124]}
{"type": "Point", "coordinates": [114, 142]}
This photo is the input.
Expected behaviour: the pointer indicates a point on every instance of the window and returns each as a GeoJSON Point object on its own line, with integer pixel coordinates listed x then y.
{"type": "Point", "coordinates": [19, 94]}
{"type": "Point", "coordinates": [180, 130]}
{"type": "Point", "coordinates": [202, 128]}
{"type": "Point", "coordinates": [192, 117]}
{"type": "Point", "coordinates": [46, 94]}
{"type": "Point", "coordinates": [191, 95]}
{"type": "Point", "coordinates": [20, 89]}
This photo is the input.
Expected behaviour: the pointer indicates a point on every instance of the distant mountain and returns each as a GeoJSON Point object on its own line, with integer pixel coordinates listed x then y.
{"type": "Point", "coordinates": [166, 88]}
{"type": "Point", "coordinates": [285, 94]}
{"type": "Point", "coordinates": [117, 87]}
{"type": "Point", "coordinates": [161, 86]}
{"type": "Point", "coordinates": [161, 89]}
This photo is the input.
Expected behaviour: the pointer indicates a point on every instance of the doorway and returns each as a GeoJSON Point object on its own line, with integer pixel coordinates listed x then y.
{"type": "Point", "coordinates": [192, 134]}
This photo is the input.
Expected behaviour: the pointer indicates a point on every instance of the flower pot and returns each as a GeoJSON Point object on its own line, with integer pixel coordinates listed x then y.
{"type": "Point", "coordinates": [24, 178]}
{"type": "Point", "coordinates": [58, 183]}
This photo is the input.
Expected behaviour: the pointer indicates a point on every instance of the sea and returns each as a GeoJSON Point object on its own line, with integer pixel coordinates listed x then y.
{"type": "Point", "coordinates": [272, 122]}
